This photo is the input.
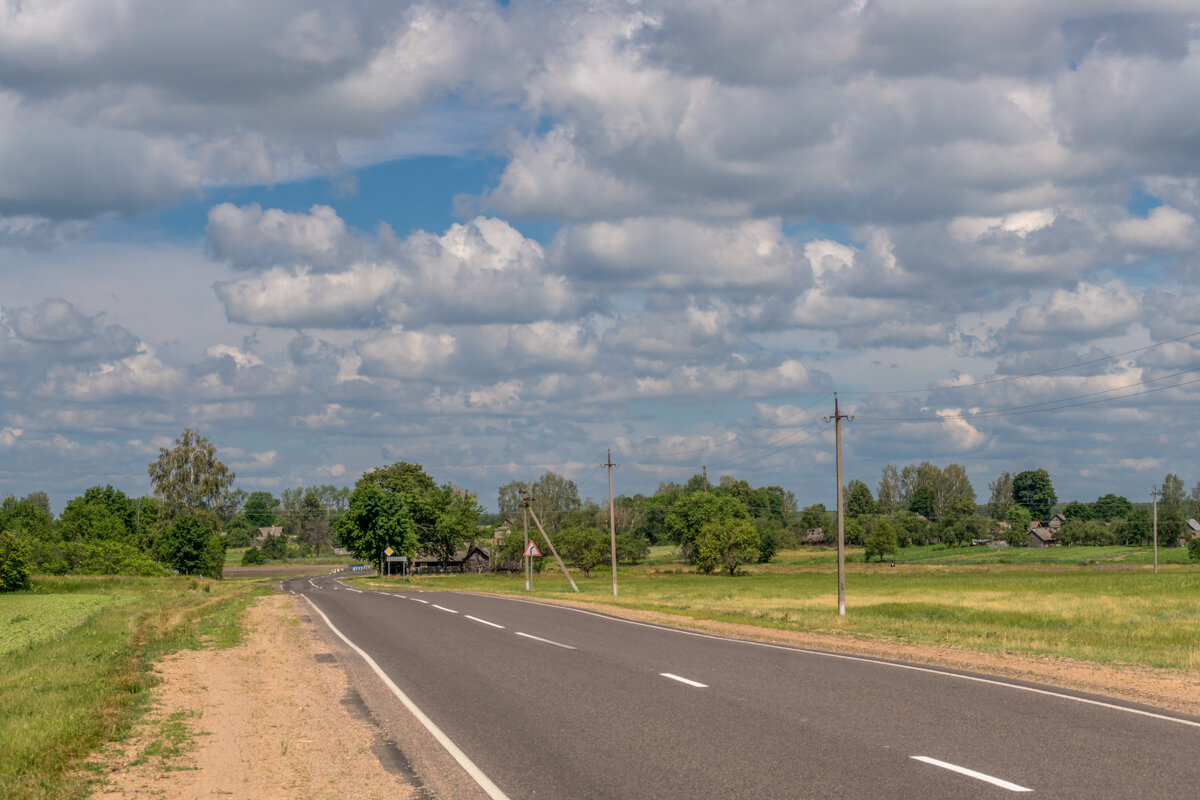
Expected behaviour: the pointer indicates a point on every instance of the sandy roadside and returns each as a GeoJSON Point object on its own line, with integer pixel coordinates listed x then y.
{"type": "Point", "coordinates": [271, 718]}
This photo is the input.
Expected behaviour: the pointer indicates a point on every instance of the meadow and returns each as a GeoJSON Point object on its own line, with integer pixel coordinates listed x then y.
{"type": "Point", "coordinates": [1102, 605]}
{"type": "Point", "coordinates": [75, 657]}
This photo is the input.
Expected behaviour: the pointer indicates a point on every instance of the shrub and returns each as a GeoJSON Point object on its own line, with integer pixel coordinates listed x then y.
{"type": "Point", "coordinates": [14, 563]}
{"type": "Point", "coordinates": [1194, 549]}
{"type": "Point", "coordinates": [253, 556]}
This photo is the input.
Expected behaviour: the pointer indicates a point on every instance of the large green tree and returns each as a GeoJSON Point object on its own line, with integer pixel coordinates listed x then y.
{"type": "Point", "coordinates": [584, 548]}
{"type": "Point", "coordinates": [726, 543]}
{"type": "Point", "coordinates": [457, 524]}
{"type": "Point", "coordinates": [1032, 490]}
{"type": "Point", "coordinates": [374, 520]}
{"type": "Point", "coordinates": [1172, 511]}
{"type": "Point", "coordinates": [694, 510]}
{"type": "Point", "coordinates": [1111, 507]}
{"type": "Point", "coordinates": [858, 500]}
{"type": "Point", "coordinates": [888, 498]}
{"type": "Point", "coordinates": [189, 478]}
{"type": "Point", "coordinates": [1002, 496]}
{"type": "Point", "coordinates": [880, 541]}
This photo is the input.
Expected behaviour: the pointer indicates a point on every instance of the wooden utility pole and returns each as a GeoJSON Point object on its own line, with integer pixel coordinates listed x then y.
{"type": "Point", "coordinates": [528, 561]}
{"type": "Point", "coordinates": [1154, 493]}
{"type": "Point", "coordinates": [704, 469]}
{"type": "Point", "coordinates": [841, 520]}
{"type": "Point", "coordinates": [550, 544]}
{"type": "Point", "coordinates": [612, 520]}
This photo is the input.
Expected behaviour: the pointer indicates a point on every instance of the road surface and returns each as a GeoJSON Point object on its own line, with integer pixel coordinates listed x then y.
{"type": "Point", "coordinates": [552, 702]}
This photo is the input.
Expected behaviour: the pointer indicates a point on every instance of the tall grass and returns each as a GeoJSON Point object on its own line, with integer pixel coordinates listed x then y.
{"type": "Point", "coordinates": [62, 698]}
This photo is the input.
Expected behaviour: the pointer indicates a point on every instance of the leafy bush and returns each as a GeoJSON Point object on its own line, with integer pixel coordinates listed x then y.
{"type": "Point", "coordinates": [14, 563]}
{"type": "Point", "coordinates": [1194, 549]}
{"type": "Point", "coordinates": [253, 556]}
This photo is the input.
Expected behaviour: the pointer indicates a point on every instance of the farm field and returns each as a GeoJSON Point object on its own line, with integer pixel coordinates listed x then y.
{"type": "Point", "coordinates": [75, 661]}
{"type": "Point", "coordinates": [1038, 608]}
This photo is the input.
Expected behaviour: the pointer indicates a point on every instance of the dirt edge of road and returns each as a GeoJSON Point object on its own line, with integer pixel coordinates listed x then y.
{"type": "Point", "coordinates": [272, 717]}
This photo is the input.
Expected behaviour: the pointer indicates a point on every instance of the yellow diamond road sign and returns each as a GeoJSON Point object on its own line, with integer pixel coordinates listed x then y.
{"type": "Point", "coordinates": [389, 551]}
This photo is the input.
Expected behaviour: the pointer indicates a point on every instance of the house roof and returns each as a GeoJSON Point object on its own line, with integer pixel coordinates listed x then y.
{"type": "Point", "coordinates": [1044, 534]}
{"type": "Point", "coordinates": [1193, 526]}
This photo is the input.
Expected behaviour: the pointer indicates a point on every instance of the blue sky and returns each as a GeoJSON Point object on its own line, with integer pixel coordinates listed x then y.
{"type": "Point", "coordinates": [500, 238]}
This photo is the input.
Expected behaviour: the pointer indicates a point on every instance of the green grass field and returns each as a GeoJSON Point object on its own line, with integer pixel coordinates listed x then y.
{"type": "Point", "coordinates": [75, 666]}
{"type": "Point", "coordinates": [1113, 611]}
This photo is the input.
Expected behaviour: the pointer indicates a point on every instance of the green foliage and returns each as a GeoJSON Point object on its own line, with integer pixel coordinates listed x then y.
{"type": "Point", "coordinates": [693, 511]}
{"type": "Point", "coordinates": [1193, 549]}
{"type": "Point", "coordinates": [253, 556]}
{"type": "Point", "coordinates": [859, 501]}
{"type": "Point", "coordinates": [1138, 527]}
{"type": "Point", "coordinates": [14, 563]}
{"type": "Point", "coordinates": [457, 523]}
{"type": "Point", "coordinates": [584, 548]}
{"type": "Point", "coordinates": [190, 547]}
{"type": "Point", "coordinates": [274, 548]}
{"type": "Point", "coordinates": [376, 519]}
{"type": "Point", "coordinates": [189, 478]}
{"type": "Point", "coordinates": [880, 541]}
{"type": "Point", "coordinates": [768, 539]}
{"type": "Point", "coordinates": [1018, 525]}
{"type": "Point", "coordinates": [260, 508]}
{"type": "Point", "coordinates": [726, 543]}
{"type": "Point", "coordinates": [109, 557]}
{"type": "Point", "coordinates": [922, 502]}
{"type": "Point", "coordinates": [91, 521]}
{"type": "Point", "coordinates": [420, 493]}
{"type": "Point", "coordinates": [1033, 490]}
{"type": "Point", "coordinates": [25, 516]}
{"type": "Point", "coordinates": [240, 533]}
{"type": "Point", "coordinates": [632, 547]}
{"type": "Point", "coordinates": [1002, 496]}
{"type": "Point", "coordinates": [1078, 511]}
{"type": "Point", "coordinates": [1111, 507]}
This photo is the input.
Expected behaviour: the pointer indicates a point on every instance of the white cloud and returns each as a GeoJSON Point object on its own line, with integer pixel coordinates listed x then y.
{"type": "Point", "coordinates": [302, 299]}
{"type": "Point", "coordinates": [1164, 229]}
{"type": "Point", "coordinates": [249, 237]}
{"type": "Point", "coordinates": [1087, 311]}
{"type": "Point", "coordinates": [407, 354]}
{"type": "Point", "coordinates": [675, 253]}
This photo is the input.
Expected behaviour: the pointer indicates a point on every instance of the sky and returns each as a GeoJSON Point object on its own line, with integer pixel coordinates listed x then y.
{"type": "Point", "coordinates": [497, 239]}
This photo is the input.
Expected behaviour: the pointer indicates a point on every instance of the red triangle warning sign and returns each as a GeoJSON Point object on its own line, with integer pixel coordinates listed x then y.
{"type": "Point", "coordinates": [531, 549]}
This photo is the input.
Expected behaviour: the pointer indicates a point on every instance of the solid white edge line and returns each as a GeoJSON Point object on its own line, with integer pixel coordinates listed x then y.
{"type": "Point", "coordinates": [673, 677]}
{"type": "Point", "coordinates": [1003, 784]}
{"type": "Point", "coordinates": [443, 608]}
{"type": "Point", "coordinates": [484, 621]}
{"type": "Point", "coordinates": [547, 641]}
{"type": "Point", "coordinates": [493, 791]}
{"type": "Point", "coordinates": [864, 660]}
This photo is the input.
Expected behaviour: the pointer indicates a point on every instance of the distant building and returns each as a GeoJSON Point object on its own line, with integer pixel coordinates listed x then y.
{"type": "Point", "coordinates": [263, 533]}
{"type": "Point", "coordinates": [1041, 536]}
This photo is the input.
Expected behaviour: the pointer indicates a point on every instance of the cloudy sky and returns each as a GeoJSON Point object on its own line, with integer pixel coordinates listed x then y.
{"type": "Point", "coordinates": [499, 238]}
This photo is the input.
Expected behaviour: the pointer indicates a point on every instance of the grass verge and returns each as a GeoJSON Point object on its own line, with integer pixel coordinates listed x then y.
{"type": "Point", "coordinates": [63, 697]}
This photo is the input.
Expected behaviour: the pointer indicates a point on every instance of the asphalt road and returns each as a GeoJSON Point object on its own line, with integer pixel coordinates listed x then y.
{"type": "Point", "coordinates": [552, 702]}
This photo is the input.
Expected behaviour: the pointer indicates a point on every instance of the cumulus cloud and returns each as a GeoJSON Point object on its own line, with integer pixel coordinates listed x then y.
{"type": "Point", "coordinates": [678, 253]}
{"type": "Point", "coordinates": [1085, 312]}
{"type": "Point", "coordinates": [249, 237]}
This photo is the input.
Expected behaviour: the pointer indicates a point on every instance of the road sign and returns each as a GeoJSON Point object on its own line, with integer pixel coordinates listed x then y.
{"type": "Point", "coordinates": [388, 551]}
{"type": "Point", "coordinates": [401, 559]}
{"type": "Point", "coordinates": [531, 549]}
